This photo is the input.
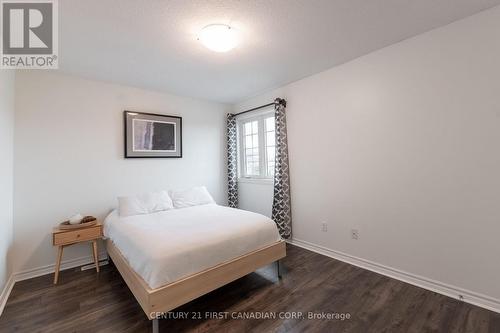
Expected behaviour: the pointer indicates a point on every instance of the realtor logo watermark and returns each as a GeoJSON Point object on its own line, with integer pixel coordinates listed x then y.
{"type": "Point", "coordinates": [29, 34]}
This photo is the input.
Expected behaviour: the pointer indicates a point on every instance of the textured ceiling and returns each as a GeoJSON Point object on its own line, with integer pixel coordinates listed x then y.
{"type": "Point", "coordinates": [152, 43]}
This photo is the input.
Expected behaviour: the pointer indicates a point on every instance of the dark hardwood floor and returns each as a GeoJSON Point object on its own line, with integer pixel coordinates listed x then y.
{"type": "Point", "coordinates": [90, 302]}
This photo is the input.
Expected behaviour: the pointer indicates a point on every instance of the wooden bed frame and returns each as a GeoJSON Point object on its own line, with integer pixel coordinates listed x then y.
{"type": "Point", "coordinates": [168, 297]}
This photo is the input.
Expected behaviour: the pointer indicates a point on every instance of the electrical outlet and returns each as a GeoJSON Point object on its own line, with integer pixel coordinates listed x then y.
{"type": "Point", "coordinates": [354, 234]}
{"type": "Point", "coordinates": [324, 226]}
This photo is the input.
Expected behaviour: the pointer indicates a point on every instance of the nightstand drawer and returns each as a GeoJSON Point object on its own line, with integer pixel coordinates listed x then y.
{"type": "Point", "coordinates": [69, 237]}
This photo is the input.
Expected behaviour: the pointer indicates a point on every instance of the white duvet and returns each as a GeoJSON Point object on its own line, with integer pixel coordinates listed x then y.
{"type": "Point", "coordinates": [166, 246]}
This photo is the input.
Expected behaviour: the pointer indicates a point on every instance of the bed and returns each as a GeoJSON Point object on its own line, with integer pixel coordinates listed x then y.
{"type": "Point", "coordinates": [171, 257]}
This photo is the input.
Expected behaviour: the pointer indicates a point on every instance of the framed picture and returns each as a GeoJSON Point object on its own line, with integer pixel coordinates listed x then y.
{"type": "Point", "coordinates": [149, 135]}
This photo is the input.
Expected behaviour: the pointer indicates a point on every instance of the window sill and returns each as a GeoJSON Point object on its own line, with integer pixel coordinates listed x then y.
{"type": "Point", "coordinates": [263, 181]}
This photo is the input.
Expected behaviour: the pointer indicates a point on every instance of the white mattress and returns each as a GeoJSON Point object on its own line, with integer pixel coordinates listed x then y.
{"type": "Point", "coordinates": [166, 246]}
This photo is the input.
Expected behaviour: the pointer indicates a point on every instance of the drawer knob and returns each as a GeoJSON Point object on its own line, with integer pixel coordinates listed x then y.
{"type": "Point", "coordinates": [77, 235]}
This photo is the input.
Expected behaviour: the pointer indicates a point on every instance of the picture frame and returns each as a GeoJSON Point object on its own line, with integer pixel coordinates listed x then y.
{"type": "Point", "coordinates": [151, 135]}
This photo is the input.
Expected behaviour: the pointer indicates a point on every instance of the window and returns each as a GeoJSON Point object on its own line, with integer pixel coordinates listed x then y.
{"type": "Point", "coordinates": [256, 146]}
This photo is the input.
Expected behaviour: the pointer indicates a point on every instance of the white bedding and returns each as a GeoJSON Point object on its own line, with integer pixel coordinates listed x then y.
{"type": "Point", "coordinates": [165, 246]}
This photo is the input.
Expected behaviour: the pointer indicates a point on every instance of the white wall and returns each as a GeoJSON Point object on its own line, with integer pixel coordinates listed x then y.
{"type": "Point", "coordinates": [7, 81]}
{"type": "Point", "coordinates": [256, 196]}
{"type": "Point", "coordinates": [69, 155]}
{"type": "Point", "coordinates": [404, 145]}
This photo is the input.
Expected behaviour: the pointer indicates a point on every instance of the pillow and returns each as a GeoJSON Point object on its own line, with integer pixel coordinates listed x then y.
{"type": "Point", "coordinates": [193, 197]}
{"type": "Point", "coordinates": [144, 203]}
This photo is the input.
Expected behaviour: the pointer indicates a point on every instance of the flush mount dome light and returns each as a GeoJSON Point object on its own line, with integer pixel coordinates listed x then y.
{"type": "Point", "coordinates": [219, 37]}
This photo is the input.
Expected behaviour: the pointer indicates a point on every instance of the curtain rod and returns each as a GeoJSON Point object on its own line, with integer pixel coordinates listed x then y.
{"type": "Point", "coordinates": [277, 101]}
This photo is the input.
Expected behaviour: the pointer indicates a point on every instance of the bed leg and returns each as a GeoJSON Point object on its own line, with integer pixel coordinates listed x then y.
{"type": "Point", "coordinates": [278, 269]}
{"type": "Point", "coordinates": [156, 326]}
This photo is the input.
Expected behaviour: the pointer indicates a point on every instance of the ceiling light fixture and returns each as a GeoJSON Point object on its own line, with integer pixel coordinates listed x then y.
{"type": "Point", "coordinates": [218, 37]}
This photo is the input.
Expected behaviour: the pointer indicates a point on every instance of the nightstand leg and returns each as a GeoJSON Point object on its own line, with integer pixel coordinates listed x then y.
{"type": "Point", "coordinates": [96, 258]}
{"type": "Point", "coordinates": [58, 263]}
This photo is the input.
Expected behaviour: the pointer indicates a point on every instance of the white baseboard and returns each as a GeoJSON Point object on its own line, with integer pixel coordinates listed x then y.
{"type": "Point", "coordinates": [6, 292]}
{"type": "Point", "coordinates": [468, 296]}
{"type": "Point", "coordinates": [65, 264]}
{"type": "Point", "coordinates": [43, 270]}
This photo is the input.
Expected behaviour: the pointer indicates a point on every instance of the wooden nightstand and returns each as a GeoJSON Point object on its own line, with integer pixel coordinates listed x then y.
{"type": "Point", "coordinates": [62, 238]}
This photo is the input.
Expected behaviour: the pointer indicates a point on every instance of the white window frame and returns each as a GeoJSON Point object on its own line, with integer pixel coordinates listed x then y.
{"type": "Point", "coordinates": [240, 121]}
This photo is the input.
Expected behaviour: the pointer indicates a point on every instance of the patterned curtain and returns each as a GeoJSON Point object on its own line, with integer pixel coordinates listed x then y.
{"type": "Point", "coordinates": [232, 168]}
{"type": "Point", "coordinates": [281, 213]}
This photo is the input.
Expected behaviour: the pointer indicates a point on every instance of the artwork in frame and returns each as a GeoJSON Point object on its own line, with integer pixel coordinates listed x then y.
{"type": "Point", "coordinates": [150, 135]}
